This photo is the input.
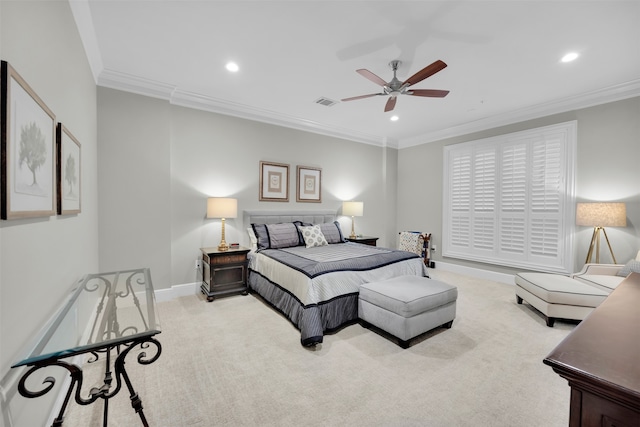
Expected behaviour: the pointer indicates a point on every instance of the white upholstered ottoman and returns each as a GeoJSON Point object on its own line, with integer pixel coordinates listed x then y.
{"type": "Point", "coordinates": [407, 306]}
{"type": "Point", "coordinates": [558, 297]}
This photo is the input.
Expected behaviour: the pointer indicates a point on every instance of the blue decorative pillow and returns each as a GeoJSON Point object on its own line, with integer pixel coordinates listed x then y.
{"type": "Point", "coordinates": [275, 236]}
{"type": "Point", "coordinates": [332, 232]}
{"type": "Point", "coordinates": [262, 235]}
{"type": "Point", "coordinates": [632, 266]}
{"type": "Point", "coordinates": [283, 235]}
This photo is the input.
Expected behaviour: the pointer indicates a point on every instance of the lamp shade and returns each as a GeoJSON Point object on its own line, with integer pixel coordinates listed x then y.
{"type": "Point", "coordinates": [352, 208]}
{"type": "Point", "coordinates": [601, 214]}
{"type": "Point", "coordinates": [222, 207]}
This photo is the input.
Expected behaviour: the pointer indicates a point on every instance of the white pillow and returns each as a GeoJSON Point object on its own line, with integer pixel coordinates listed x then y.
{"type": "Point", "coordinates": [253, 238]}
{"type": "Point", "coordinates": [313, 236]}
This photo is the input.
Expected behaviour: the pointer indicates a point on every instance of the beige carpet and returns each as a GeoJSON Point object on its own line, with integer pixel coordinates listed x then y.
{"type": "Point", "coordinates": [236, 362]}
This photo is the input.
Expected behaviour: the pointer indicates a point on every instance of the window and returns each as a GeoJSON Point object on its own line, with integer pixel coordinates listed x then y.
{"type": "Point", "coordinates": [508, 200]}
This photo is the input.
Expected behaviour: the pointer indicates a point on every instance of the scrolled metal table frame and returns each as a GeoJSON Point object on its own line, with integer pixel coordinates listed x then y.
{"type": "Point", "coordinates": [95, 393]}
{"type": "Point", "coordinates": [106, 338]}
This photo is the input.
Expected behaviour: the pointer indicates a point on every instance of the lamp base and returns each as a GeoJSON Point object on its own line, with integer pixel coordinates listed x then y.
{"type": "Point", "coordinates": [595, 241]}
{"type": "Point", "coordinates": [222, 247]}
{"type": "Point", "coordinates": [353, 229]}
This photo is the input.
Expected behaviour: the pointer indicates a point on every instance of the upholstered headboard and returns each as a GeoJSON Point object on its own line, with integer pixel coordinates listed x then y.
{"type": "Point", "coordinates": [273, 217]}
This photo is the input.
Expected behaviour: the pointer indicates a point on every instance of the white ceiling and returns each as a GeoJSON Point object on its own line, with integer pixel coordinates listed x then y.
{"type": "Point", "coordinates": [503, 59]}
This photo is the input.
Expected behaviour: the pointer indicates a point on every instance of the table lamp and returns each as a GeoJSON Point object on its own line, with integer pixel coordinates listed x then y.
{"type": "Point", "coordinates": [222, 207]}
{"type": "Point", "coordinates": [352, 209]}
{"type": "Point", "coordinates": [598, 216]}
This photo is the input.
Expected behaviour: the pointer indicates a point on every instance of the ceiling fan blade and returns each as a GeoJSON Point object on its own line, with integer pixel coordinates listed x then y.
{"type": "Point", "coordinates": [427, 71]}
{"type": "Point", "coordinates": [391, 104]}
{"type": "Point", "coordinates": [353, 98]}
{"type": "Point", "coordinates": [369, 75]}
{"type": "Point", "coordinates": [433, 93]}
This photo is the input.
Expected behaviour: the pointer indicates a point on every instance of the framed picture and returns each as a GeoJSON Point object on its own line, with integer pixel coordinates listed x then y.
{"type": "Point", "coordinates": [274, 182]}
{"type": "Point", "coordinates": [28, 150]}
{"type": "Point", "coordinates": [309, 184]}
{"type": "Point", "coordinates": [68, 171]}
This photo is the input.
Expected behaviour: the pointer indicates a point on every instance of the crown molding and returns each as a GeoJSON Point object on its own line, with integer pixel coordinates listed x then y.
{"type": "Point", "coordinates": [214, 105]}
{"type": "Point", "coordinates": [134, 84]}
{"type": "Point", "coordinates": [141, 86]}
{"type": "Point", "coordinates": [589, 99]}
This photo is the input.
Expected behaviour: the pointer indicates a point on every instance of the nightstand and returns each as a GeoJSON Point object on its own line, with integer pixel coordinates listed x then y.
{"type": "Point", "coordinates": [224, 272]}
{"type": "Point", "coordinates": [365, 240]}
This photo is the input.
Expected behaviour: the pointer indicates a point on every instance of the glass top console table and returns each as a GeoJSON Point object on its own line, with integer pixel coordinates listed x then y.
{"type": "Point", "coordinates": [104, 316]}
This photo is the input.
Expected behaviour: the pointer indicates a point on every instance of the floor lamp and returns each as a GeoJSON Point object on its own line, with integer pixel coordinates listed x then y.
{"type": "Point", "coordinates": [352, 209]}
{"type": "Point", "coordinates": [599, 216]}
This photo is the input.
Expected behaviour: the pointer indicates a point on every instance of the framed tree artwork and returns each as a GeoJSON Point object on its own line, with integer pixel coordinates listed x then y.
{"type": "Point", "coordinates": [28, 150]}
{"type": "Point", "coordinates": [274, 182]}
{"type": "Point", "coordinates": [309, 184]}
{"type": "Point", "coordinates": [68, 172]}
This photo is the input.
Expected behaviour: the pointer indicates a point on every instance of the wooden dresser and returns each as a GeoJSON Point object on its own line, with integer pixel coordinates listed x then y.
{"type": "Point", "coordinates": [600, 359]}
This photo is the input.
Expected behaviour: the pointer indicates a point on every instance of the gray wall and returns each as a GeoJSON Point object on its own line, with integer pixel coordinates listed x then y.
{"type": "Point", "coordinates": [160, 162]}
{"type": "Point", "coordinates": [607, 170]}
{"type": "Point", "coordinates": [41, 258]}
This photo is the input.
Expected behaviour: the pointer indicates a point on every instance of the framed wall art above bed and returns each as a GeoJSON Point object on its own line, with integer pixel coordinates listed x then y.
{"type": "Point", "coordinates": [274, 182]}
{"type": "Point", "coordinates": [309, 184]}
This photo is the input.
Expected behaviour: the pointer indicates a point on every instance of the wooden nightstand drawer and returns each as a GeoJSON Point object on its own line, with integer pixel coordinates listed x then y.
{"type": "Point", "coordinates": [228, 259]}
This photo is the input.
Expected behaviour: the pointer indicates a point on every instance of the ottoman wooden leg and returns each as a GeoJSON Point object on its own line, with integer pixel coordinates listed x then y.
{"type": "Point", "coordinates": [550, 321]}
{"type": "Point", "coordinates": [518, 299]}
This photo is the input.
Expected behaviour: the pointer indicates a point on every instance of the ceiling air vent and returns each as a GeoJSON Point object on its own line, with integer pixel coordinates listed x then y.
{"type": "Point", "coordinates": [326, 102]}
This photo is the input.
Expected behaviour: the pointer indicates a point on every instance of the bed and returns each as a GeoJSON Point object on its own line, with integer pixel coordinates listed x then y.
{"type": "Point", "coordinates": [316, 286]}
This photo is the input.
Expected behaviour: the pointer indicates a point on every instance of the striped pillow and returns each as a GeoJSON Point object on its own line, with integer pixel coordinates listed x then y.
{"type": "Point", "coordinates": [276, 236]}
{"type": "Point", "coordinates": [283, 235]}
{"type": "Point", "coordinates": [332, 232]}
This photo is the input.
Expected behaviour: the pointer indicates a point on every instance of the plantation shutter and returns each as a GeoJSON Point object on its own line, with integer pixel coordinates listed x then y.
{"type": "Point", "coordinates": [508, 200]}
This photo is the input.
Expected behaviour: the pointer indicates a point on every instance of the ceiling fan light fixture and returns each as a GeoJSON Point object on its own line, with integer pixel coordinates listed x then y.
{"type": "Point", "coordinates": [571, 56]}
{"type": "Point", "coordinates": [394, 118]}
{"type": "Point", "coordinates": [232, 66]}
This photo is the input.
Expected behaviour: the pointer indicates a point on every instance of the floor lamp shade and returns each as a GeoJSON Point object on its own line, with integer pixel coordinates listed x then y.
{"type": "Point", "coordinates": [352, 209]}
{"type": "Point", "coordinates": [599, 216]}
{"type": "Point", "coordinates": [222, 207]}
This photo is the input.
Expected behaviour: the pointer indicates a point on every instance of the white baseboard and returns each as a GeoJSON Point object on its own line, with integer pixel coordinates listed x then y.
{"type": "Point", "coordinates": [177, 291]}
{"type": "Point", "coordinates": [476, 272]}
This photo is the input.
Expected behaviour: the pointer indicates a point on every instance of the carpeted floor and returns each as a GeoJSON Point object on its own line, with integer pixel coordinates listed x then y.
{"type": "Point", "coordinates": [236, 362]}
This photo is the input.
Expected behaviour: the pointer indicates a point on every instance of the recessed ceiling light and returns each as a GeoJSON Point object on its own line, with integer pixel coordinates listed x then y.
{"type": "Point", "coordinates": [569, 57]}
{"type": "Point", "coordinates": [394, 118]}
{"type": "Point", "coordinates": [232, 66]}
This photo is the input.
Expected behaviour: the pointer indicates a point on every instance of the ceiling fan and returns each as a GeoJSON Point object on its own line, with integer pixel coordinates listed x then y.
{"type": "Point", "coordinates": [395, 87]}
